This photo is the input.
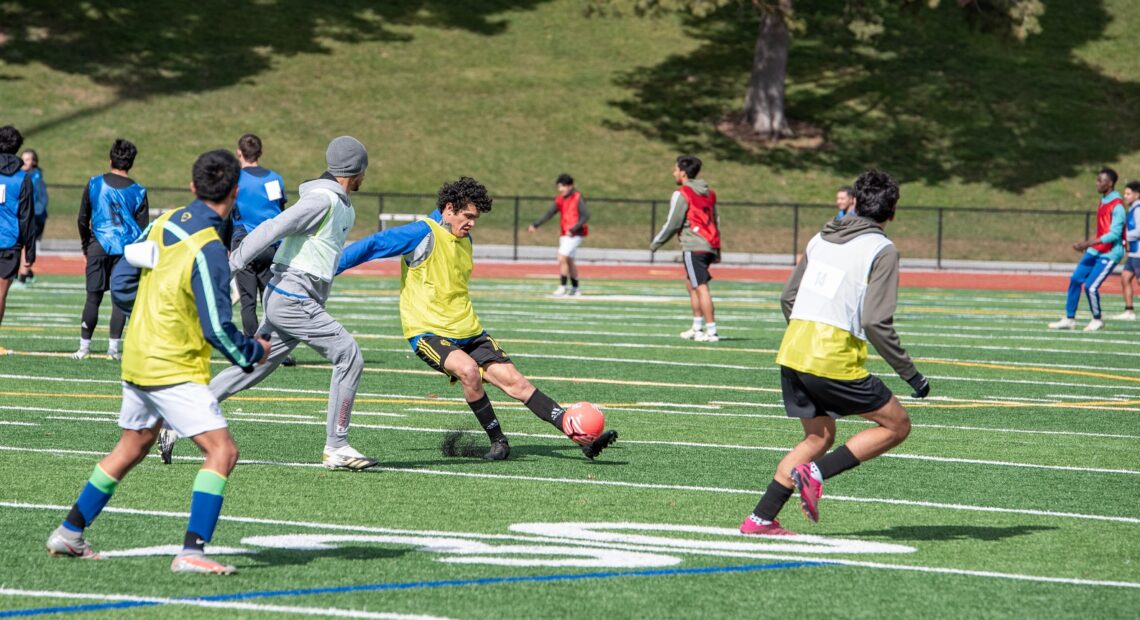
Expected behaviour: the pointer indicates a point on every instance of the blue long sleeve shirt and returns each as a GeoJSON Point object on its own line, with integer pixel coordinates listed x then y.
{"type": "Point", "coordinates": [398, 241]}
{"type": "Point", "coordinates": [217, 321]}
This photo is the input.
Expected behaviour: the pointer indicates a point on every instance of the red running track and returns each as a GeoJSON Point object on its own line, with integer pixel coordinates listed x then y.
{"type": "Point", "coordinates": [1042, 282]}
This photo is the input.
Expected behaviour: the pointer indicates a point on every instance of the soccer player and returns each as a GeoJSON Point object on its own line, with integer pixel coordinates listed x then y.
{"type": "Point", "coordinates": [182, 312]}
{"type": "Point", "coordinates": [261, 196]}
{"type": "Point", "coordinates": [17, 213]}
{"type": "Point", "coordinates": [692, 213]}
{"type": "Point", "coordinates": [438, 318]}
{"type": "Point", "coordinates": [844, 200]}
{"type": "Point", "coordinates": [112, 213]}
{"type": "Point", "coordinates": [1101, 253]}
{"type": "Point", "coordinates": [32, 167]}
{"type": "Point", "coordinates": [1132, 239]}
{"type": "Point", "coordinates": [573, 215]}
{"type": "Point", "coordinates": [312, 234]}
{"type": "Point", "coordinates": [842, 294]}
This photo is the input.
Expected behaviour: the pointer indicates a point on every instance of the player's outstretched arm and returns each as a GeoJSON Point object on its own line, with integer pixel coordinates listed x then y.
{"type": "Point", "coordinates": [303, 217]}
{"type": "Point", "coordinates": [211, 286]}
{"type": "Point", "coordinates": [384, 244]}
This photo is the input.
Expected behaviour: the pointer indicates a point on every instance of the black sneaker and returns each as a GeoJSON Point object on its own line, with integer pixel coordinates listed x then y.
{"type": "Point", "coordinates": [601, 443]}
{"type": "Point", "coordinates": [289, 361]}
{"type": "Point", "coordinates": [499, 451]}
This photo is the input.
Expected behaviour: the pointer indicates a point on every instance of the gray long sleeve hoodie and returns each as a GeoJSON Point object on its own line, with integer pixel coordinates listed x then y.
{"type": "Point", "coordinates": [303, 218]}
{"type": "Point", "coordinates": [881, 297]}
{"type": "Point", "coordinates": [678, 221]}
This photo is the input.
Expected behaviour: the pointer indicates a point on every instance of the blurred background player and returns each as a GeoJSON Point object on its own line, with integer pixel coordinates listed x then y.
{"type": "Point", "coordinates": [1101, 253]}
{"type": "Point", "coordinates": [439, 320]}
{"type": "Point", "coordinates": [182, 312]}
{"type": "Point", "coordinates": [842, 294]}
{"type": "Point", "coordinates": [261, 196]}
{"type": "Point", "coordinates": [572, 216]}
{"type": "Point", "coordinates": [31, 161]}
{"type": "Point", "coordinates": [312, 233]}
{"type": "Point", "coordinates": [112, 213]}
{"type": "Point", "coordinates": [844, 200]}
{"type": "Point", "coordinates": [1132, 241]}
{"type": "Point", "coordinates": [692, 213]}
{"type": "Point", "coordinates": [17, 214]}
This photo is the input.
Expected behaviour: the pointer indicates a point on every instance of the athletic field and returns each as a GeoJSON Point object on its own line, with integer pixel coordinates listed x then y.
{"type": "Point", "coordinates": [1017, 493]}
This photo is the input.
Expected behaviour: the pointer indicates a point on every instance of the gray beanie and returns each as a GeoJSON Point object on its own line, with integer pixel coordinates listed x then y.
{"type": "Point", "coordinates": [346, 157]}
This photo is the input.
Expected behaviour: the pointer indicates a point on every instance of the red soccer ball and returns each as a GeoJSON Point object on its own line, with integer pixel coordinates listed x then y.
{"type": "Point", "coordinates": [583, 422]}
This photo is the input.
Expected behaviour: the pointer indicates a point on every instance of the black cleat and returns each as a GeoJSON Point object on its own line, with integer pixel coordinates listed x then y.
{"type": "Point", "coordinates": [499, 451]}
{"type": "Point", "coordinates": [601, 443]}
{"type": "Point", "coordinates": [288, 361]}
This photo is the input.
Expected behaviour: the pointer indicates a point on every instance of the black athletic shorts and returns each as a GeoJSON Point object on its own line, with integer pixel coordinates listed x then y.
{"type": "Point", "coordinates": [484, 349]}
{"type": "Point", "coordinates": [99, 272]}
{"type": "Point", "coordinates": [9, 263]}
{"type": "Point", "coordinates": [697, 266]}
{"type": "Point", "coordinates": [808, 396]}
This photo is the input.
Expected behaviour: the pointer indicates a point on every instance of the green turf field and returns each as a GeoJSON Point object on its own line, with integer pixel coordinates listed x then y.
{"type": "Point", "coordinates": [1016, 495]}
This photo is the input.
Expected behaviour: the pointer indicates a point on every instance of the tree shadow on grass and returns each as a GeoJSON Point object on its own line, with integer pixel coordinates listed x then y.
{"type": "Point", "coordinates": [951, 532]}
{"type": "Point", "coordinates": [144, 48]}
{"type": "Point", "coordinates": [934, 99]}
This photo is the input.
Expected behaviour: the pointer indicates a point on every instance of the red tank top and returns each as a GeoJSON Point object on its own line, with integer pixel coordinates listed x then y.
{"type": "Point", "coordinates": [702, 215]}
{"type": "Point", "coordinates": [1103, 222]}
{"type": "Point", "coordinates": [568, 207]}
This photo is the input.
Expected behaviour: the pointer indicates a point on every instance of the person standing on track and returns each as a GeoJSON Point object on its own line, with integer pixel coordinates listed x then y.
{"type": "Point", "coordinates": [1101, 253]}
{"type": "Point", "coordinates": [572, 215]}
{"type": "Point", "coordinates": [840, 296]}
{"type": "Point", "coordinates": [692, 214]}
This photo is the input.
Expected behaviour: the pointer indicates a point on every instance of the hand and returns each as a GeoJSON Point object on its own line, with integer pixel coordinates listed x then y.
{"type": "Point", "coordinates": [920, 384]}
{"type": "Point", "coordinates": [531, 228]}
{"type": "Point", "coordinates": [264, 342]}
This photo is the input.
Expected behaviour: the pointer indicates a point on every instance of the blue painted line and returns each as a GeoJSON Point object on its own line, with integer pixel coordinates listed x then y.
{"type": "Point", "coordinates": [410, 585]}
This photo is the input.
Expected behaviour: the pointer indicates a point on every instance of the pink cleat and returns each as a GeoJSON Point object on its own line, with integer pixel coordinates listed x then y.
{"type": "Point", "coordinates": [811, 489]}
{"type": "Point", "coordinates": [754, 527]}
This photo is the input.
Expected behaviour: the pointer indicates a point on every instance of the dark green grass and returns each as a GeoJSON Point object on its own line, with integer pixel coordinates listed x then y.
{"type": "Point", "coordinates": [722, 481]}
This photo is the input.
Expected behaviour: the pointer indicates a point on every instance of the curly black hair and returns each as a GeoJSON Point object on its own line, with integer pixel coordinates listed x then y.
{"type": "Point", "coordinates": [10, 140]}
{"type": "Point", "coordinates": [876, 195]}
{"type": "Point", "coordinates": [465, 191]}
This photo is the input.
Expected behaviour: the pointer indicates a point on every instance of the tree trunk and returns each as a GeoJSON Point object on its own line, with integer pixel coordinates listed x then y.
{"type": "Point", "coordinates": [764, 101]}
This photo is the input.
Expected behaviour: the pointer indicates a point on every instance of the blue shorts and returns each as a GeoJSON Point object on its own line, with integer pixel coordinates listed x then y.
{"type": "Point", "coordinates": [1132, 263]}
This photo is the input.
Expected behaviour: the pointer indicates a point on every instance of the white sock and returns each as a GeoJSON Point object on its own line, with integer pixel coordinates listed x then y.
{"type": "Point", "coordinates": [710, 328]}
{"type": "Point", "coordinates": [114, 344]}
{"type": "Point", "coordinates": [84, 344]}
{"type": "Point", "coordinates": [697, 323]}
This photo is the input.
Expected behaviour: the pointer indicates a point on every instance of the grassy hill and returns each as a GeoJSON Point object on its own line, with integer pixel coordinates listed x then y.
{"type": "Point", "coordinates": [516, 91]}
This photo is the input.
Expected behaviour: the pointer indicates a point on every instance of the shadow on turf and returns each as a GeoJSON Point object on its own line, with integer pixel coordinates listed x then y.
{"type": "Point", "coordinates": [936, 97]}
{"type": "Point", "coordinates": [951, 532]}
{"type": "Point", "coordinates": [143, 48]}
{"type": "Point", "coordinates": [267, 558]}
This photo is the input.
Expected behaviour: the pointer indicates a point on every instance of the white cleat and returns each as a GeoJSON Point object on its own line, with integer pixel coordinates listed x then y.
{"type": "Point", "coordinates": [690, 334]}
{"type": "Point", "coordinates": [1094, 325]}
{"type": "Point", "coordinates": [345, 457]}
{"type": "Point", "coordinates": [200, 564]}
{"type": "Point", "coordinates": [561, 291]}
{"type": "Point", "coordinates": [706, 337]}
{"type": "Point", "coordinates": [115, 355]}
{"type": "Point", "coordinates": [68, 546]}
{"type": "Point", "coordinates": [1065, 323]}
{"type": "Point", "coordinates": [1127, 315]}
{"type": "Point", "coordinates": [81, 354]}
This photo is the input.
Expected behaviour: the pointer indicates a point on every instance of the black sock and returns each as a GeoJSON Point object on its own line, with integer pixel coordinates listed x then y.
{"type": "Point", "coordinates": [773, 500]}
{"type": "Point", "coordinates": [837, 462]}
{"type": "Point", "coordinates": [1127, 307]}
{"type": "Point", "coordinates": [574, 282]}
{"type": "Point", "coordinates": [193, 542]}
{"type": "Point", "coordinates": [485, 413]}
{"type": "Point", "coordinates": [545, 408]}
{"type": "Point", "coordinates": [564, 278]}
{"type": "Point", "coordinates": [76, 518]}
